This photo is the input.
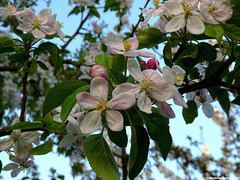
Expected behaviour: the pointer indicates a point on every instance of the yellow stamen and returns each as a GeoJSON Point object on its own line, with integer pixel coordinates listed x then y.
{"type": "Point", "coordinates": [127, 46]}
{"type": "Point", "coordinates": [102, 106]}
{"type": "Point", "coordinates": [37, 22]}
{"type": "Point", "coordinates": [178, 78]}
{"type": "Point", "coordinates": [16, 135]}
{"type": "Point", "coordinates": [60, 24]}
{"type": "Point", "coordinates": [156, 3]}
{"type": "Point", "coordinates": [147, 83]}
{"type": "Point", "coordinates": [212, 8]}
{"type": "Point", "coordinates": [187, 8]}
{"type": "Point", "coordinates": [10, 7]}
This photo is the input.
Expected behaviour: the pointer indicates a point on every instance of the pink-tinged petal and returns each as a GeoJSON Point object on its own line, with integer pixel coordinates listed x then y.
{"type": "Point", "coordinates": [190, 96]}
{"type": "Point", "coordinates": [52, 20]}
{"type": "Point", "coordinates": [165, 109]}
{"type": "Point", "coordinates": [160, 11]}
{"type": "Point", "coordinates": [149, 13]}
{"type": "Point", "coordinates": [208, 110]}
{"type": "Point", "coordinates": [99, 88]}
{"type": "Point", "coordinates": [174, 7]}
{"type": "Point", "coordinates": [111, 51]}
{"type": "Point", "coordinates": [195, 25]}
{"type": "Point", "coordinates": [178, 100]}
{"type": "Point", "coordinates": [29, 15]}
{"type": "Point", "coordinates": [91, 122]}
{"type": "Point", "coordinates": [134, 69]}
{"type": "Point", "coordinates": [162, 90]}
{"type": "Point", "coordinates": [28, 137]}
{"type": "Point", "coordinates": [19, 150]}
{"type": "Point", "coordinates": [6, 144]}
{"type": "Point", "coordinates": [72, 126]}
{"type": "Point", "coordinates": [47, 30]}
{"type": "Point", "coordinates": [38, 34]}
{"type": "Point", "coordinates": [4, 11]}
{"type": "Point", "coordinates": [87, 100]}
{"type": "Point", "coordinates": [10, 166]}
{"type": "Point", "coordinates": [175, 23]}
{"type": "Point", "coordinates": [126, 88]}
{"type": "Point", "coordinates": [168, 74]}
{"type": "Point", "coordinates": [132, 53]}
{"type": "Point", "coordinates": [15, 172]}
{"type": "Point", "coordinates": [122, 101]}
{"type": "Point", "coordinates": [222, 15]}
{"type": "Point", "coordinates": [144, 103]}
{"type": "Point", "coordinates": [44, 13]}
{"type": "Point", "coordinates": [146, 54]}
{"type": "Point", "coordinates": [114, 120]}
{"type": "Point", "coordinates": [57, 118]}
{"type": "Point", "coordinates": [113, 41]}
{"type": "Point", "coordinates": [134, 42]}
{"type": "Point", "coordinates": [25, 27]}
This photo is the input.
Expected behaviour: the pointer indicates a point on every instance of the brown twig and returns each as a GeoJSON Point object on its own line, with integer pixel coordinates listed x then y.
{"type": "Point", "coordinates": [8, 68]}
{"type": "Point", "coordinates": [124, 158]}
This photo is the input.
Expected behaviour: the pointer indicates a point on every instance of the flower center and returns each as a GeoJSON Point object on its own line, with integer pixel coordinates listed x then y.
{"type": "Point", "coordinates": [16, 135]}
{"type": "Point", "coordinates": [178, 78]}
{"type": "Point", "coordinates": [37, 22]}
{"type": "Point", "coordinates": [102, 106]}
{"type": "Point", "coordinates": [147, 83]}
{"type": "Point", "coordinates": [60, 24]}
{"type": "Point", "coordinates": [156, 3]}
{"type": "Point", "coordinates": [127, 46]}
{"type": "Point", "coordinates": [212, 8]}
{"type": "Point", "coordinates": [187, 8]}
{"type": "Point", "coordinates": [10, 7]}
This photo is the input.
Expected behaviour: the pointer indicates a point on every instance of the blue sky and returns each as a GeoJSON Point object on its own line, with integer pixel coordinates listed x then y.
{"type": "Point", "coordinates": [178, 127]}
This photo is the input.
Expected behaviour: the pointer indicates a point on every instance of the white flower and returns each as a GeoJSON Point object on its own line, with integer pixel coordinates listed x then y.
{"type": "Point", "coordinates": [6, 11]}
{"type": "Point", "coordinates": [185, 14]}
{"type": "Point", "coordinates": [174, 75]}
{"type": "Point", "coordinates": [150, 83]}
{"type": "Point", "coordinates": [96, 101]}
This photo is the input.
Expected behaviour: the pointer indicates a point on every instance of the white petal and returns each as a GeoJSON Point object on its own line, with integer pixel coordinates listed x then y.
{"type": "Point", "coordinates": [126, 88]}
{"type": "Point", "coordinates": [25, 27]}
{"type": "Point", "coordinates": [19, 150]}
{"type": "Point", "coordinates": [114, 120]}
{"type": "Point", "coordinates": [72, 126]}
{"type": "Point", "coordinates": [47, 30]}
{"type": "Point", "coordinates": [67, 141]}
{"type": "Point", "coordinates": [38, 34]}
{"type": "Point", "coordinates": [175, 23]}
{"type": "Point", "coordinates": [144, 103]}
{"type": "Point", "coordinates": [28, 137]}
{"type": "Point", "coordinates": [4, 11]}
{"type": "Point", "coordinates": [165, 109]}
{"type": "Point", "coordinates": [91, 122]}
{"type": "Point", "coordinates": [15, 172]}
{"type": "Point", "coordinates": [86, 100]}
{"type": "Point", "coordinates": [174, 7]}
{"type": "Point", "coordinates": [178, 100]}
{"type": "Point", "coordinates": [122, 101]}
{"type": "Point", "coordinates": [10, 166]}
{"type": "Point", "coordinates": [195, 25]}
{"type": "Point", "coordinates": [208, 110]}
{"type": "Point", "coordinates": [99, 88]}
{"type": "Point", "coordinates": [113, 41]}
{"type": "Point", "coordinates": [6, 144]}
{"type": "Point", "coordinates": [168, 74]}
{"type": "Point", "coordinates": [134, 69]}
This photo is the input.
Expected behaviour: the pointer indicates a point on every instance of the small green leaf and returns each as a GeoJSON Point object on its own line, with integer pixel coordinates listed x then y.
{"type": "Point", "coordinates": [167, 54]}
{"type": "Point", "coordinates": [100, 157]}
{"type": "Point", "coordinates": [119, 138]}
{"type": "Point", "coordinates": [93, 11]}
{"type": "Point", "coordinates": [118, 63]}
{"type": "Point", "coordinates": [42, 149]}
{"type": "Point", "coordinates": [70, 101]}
{"type": "Point", "coordinates": [223, 99]}
{"type": "Point", "coordinates": [236, 101]}
{"type": "Point", "coordinates": [53, 50]}
{"type": "Point", "coordinates": [59, 93]}
{"type": "Point", "coordinates": [232, 31]}
{"type": "Point", "coordinates": [140, 141]}
{"type": "Point", "coordinates": [190, 113]}
{"type": "Point", "coordinates": [42, 65]}
{"type": "Point", "coordinates": [104, 60]}
{"type": "Point", "coordinates": [33, 69]}
{"type": "Point", "coordinates": [26, 125]}
{"type": "Point", "coordinates": [150, 38]}
{"type": "Point", "coordinates": [215, 31]}
{"type": "Point", "coordinates": [6, 45]}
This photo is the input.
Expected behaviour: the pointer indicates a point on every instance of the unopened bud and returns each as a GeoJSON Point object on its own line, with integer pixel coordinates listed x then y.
{"type": "Point", "coordinates": [151, 64]}
{"type": "Point", "coordinates": [97, 71]}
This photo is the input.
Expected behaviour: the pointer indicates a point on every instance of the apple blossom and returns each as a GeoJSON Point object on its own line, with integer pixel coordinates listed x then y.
{"type": "Point", "coordinates": [174, 75]}
{"type": "Point", "coordinates": [184, 14]}
{"type": "Point", "coordinates": [150, 82]}
{"type": "Point", "coordinates": [97, 71]}
{"type": "Point", "coordinates": [96, 101]}
{"type": "Point", "coordinates": [6, 11]}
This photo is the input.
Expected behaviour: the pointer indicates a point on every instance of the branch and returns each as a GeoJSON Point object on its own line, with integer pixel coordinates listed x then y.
{"type": "Point", "coordinates": [124, 157]}
{"type": "Point", "coordinates": [75, 34]}
{"type": "Point", "coordinates": [213, 80]}
{"type": "Point", "coordinates": [135, 27]}
{"type": "Point", "coordinates": [4, 132]}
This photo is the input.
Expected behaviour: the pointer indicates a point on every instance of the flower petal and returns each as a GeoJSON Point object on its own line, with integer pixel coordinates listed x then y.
{"type": "Point", "coordinates": [195, 25]}
{"type": "Point", "coordinates": [99, 88]}
{"type": "Point", "coordinates": [10, 166]}
{"type": "Point", "coordinates": [19, 150]}
{"type": "Point", "coordinates": [6, 144]}
{"type": "Point", "coordinates": [134, 69]}
{"type": "Point", "coordinates": [122, 101]}
{"type": "Point", "coordinates": [114, 120]}
{"type": "Point", "coordinates": [174, 7]}
{"type": "Point", "coordinates": [38, 34]}
{"type": "Point", "coordinates": [126, 88]}
{"type": "Point", "coordinates": [28, 137]}
{"type": "Point", "coordinates": [134, 42]}
{"type": "Point", "coordinates": [86, 100]}
{"type": "Point", "coordinates": [165, 109]}
{"type": "Point", "coordinates": [144, 103]}
{"type": "Point", "coordinates": [175, 23]}
{"type": "Point", "coordinates": [208, 110]}
{"type": "Point", "coordinates": [113, 41]}
{"type": "Point", "coordinates": [91, 122]}
{"type": "Point", "coordinates": [15, 172]}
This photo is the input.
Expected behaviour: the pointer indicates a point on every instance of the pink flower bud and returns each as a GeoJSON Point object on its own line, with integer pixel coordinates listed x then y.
{"type": "Point", "coordinates": [151, 64]}
{"type": "Point", "coordinates": [80, 147]}
{"type": "Point", "coordinates": [143, 65]}
{"type": "Point", "coordinates": [97, 71]}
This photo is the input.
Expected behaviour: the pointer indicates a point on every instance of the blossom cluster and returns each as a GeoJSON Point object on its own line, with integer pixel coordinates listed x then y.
{"type": "Point", "coordinates": [175, 15]}
{"type": "Point", "coordinates": [39, 26]}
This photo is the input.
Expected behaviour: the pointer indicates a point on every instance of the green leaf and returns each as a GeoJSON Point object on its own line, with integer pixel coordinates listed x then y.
{"type": "Point", "coordinates": [118, 63]}
{"type": "Point", "coordinates": [26, 125]}
{"type": "Point", "coordinates": [190, 113]}
{"type": "Point", "coordinates": [93, 11]}
{"type": "Point", "coordinates": [42, 65]}
{"type": "Point", "coordinates": [139, 141]}
{"type": "Point", "coordinates": [215, 31]}
{"type": "Point", "coordinates": [206, 52]}
{"type": "Point", "coordinates": [158, 129]}
{"type": "Point", "coordinates": [167, 54]}
{"type": "Point", "coordinates": [223, 99]}
{"type": "Point", "coordinates": [33, 69]}
{"type": "Point", "coordinates": [232, 31]}
{"type": "Point", "coordinates": [53, 51]}
{"type": "Point", "coordinates": [1, 166]}
{"type": "Point", "coordinates": [100, 157]}
{"type": "Point", "coordinates": [59, 93]}
{"type": "Point", "coordinates": [150, 38]}
{"type": "Point", "coordinates": [6, 45]}
{"type": "Point", "coordinates": [119, 138]}
{"type": "Point", "coordinates": [117, 76]}
{"type": "Point", "coordinates": [70, 101]}
{"type": "Point", "coordinates": [104, 60]}
{"type": "Point", "coordinates": [41, 149]}
{"type": "Point", "coordinates": [236, 101]}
